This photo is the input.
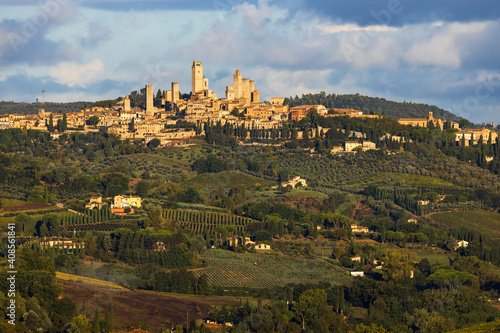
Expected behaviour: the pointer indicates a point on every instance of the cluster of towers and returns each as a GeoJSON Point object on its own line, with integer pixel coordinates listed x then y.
{"type": "Point", "coordinates": [242, 89]}
{"type": "Point", "coordinates": [241, 92]}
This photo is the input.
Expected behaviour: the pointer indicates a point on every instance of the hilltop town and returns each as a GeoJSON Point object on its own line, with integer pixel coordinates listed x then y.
{"type": "Point", "coordinates": [171, 212]}
{"type": "Point", "coordinates": [157, 116]}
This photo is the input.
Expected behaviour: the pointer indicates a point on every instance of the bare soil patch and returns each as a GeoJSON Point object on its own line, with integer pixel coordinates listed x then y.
{"type": "Point", "coordinates": [157, 309]}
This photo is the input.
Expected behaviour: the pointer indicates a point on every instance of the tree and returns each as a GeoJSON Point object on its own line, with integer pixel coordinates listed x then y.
{"type": "Point", "coordinates": [464, 123]}
{"type": "Point", "coordinates": [142, 188]}
{"type": "Point", "coordinates": [64, 123]}
{"type": "Point", "coordinates": [96, 321]}
{"type": "Point", "coordinates": [80, 324]}
{"type": "Point", "coordinates": [131, 126]}
{"type": "Point", "coordinates": [373, 328]}
{"type": "Point", "coordinates": [50, 126]}
{"type": "Point", "coordinates": [155, 217]}
{"type": "Point", "coordinates": [197, 244]}
{"type": "Point", "coordinates": [313, 308]}
{"type": "Point", "coordinates": [397, 265]}
{"type": "Point", "coordinates": [154, 143]}
{"type": "Point", "coordinates": [93, 121]}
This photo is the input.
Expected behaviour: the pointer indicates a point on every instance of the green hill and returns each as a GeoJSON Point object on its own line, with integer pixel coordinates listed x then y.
{"type": "Point", "coordinates": [32, 108]}
{"type": "Point", "coordinates": [367, 104]}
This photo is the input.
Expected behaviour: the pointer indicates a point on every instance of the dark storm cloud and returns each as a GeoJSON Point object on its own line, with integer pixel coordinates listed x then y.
{"type": "Point", "coordinates": [401, 12]}
{"type": "Point", "coordinates": [24, 41]}
{"type": "Point", "coordinates": [30, 46]}
{"type": "Point", "coordinates": [20, 87]}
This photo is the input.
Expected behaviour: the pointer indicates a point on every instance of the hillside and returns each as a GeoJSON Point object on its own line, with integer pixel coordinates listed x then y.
{"type": "Point", "coordinates": [367, 104]}
{"type": "Point", "coordinates": [32, 108]}
{"type": "Point", "coordinates": [161, 310]}
{"type": "Point", "coordinates": [486, 223]}
{"type": "Point", "coordinates": [481, 328]}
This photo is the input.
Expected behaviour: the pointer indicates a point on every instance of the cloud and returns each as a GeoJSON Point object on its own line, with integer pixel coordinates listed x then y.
{"type": "Point", "coordinates": [423, 51]}
{"type": "Point", "coordinates": [329, 28]}
{"type": "Point", "coordinates": [23, 87]}
{"type": "Point", "coordinates": [445, 48]}
{"type": "Point", "coordinates": [75, 74]}
{"type": "Point", "coordinates": [97, 33]}
{"type": "Point", "coordinates": [26, 42]}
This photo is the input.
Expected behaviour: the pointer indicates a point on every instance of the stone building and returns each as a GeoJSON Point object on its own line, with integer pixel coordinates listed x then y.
{"type": "Point", "coordinates": [424, 122]}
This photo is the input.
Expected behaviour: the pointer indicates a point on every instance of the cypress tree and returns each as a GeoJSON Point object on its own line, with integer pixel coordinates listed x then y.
{"type": "Point", "coordinates": [112, 318]}
{"type": "Point", "coordinates": [96, 321]}
{"type": "Point", "coordinates": [341, 300]}
{"type": "Point", "coordinates": [50, 126]}
{"type": "Point", "coordinates": [83, 311]}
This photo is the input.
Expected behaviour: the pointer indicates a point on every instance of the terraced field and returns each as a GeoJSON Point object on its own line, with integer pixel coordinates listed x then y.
{"type": "Point", "coordinates": [258, 270]}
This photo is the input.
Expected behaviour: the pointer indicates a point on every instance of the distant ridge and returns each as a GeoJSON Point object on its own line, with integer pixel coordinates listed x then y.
{"type": "Point", "coordinates": [32, 108]}
{"type": "Point", "coordinates": [367, 104]}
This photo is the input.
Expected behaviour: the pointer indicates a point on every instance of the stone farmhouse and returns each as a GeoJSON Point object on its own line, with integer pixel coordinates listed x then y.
{"type": "Point", "coordinates": [294, 181]}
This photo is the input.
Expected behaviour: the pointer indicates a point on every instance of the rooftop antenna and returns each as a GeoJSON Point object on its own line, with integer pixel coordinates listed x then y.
{"type": "Point", "coordinates": [43, 96]}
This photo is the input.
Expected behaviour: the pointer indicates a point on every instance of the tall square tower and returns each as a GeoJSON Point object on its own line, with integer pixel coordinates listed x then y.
{"type": "Point", "coordinates": [197, 77]}
{"type": "Point", "coordinates": [175, 92]}
{"type": "Point", "coordinates": [150, 108]}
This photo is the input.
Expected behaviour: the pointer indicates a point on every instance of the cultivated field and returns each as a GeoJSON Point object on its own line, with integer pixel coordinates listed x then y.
{"type": "Point", "coordinates": [227, 180]}
{"type": "Point", "coordinates": [486, 223]}
{"type": "Point", "coordinates": [12, 205]}
{"type": "Point", "coordinates": [259, 270]}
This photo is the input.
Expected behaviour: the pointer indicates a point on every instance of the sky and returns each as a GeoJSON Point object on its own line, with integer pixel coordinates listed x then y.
{"type": "Point", "coordinates": [440, 52]}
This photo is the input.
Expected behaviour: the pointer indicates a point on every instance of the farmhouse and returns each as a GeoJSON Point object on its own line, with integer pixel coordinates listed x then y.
{"type": "Point", "coordinates": [356, 228]}
{"type": "Point", "coordinates": [126, 201]}
{"type": "Point", "coordinates": [61, 243]}
{"type": "Point", "coordinates": [294, 181]}
{"type": "Point", "coordinates": [365, 145]}
{"type": "Point", "coordinates": [240, 241]}
{"type": "Point", "coordinates": [461, 243]}
{"type": "Point", "coordinates": [95, 202]}
{"type": "Point", "coordinates": [262, 247]}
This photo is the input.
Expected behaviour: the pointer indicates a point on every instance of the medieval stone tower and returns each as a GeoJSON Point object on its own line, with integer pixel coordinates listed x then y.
{"type": "Point", "coordinates": [237, 84]}
{"type": "Point", "coordinates": [175, 92]}
{"type": "Point", "coordinates": [150, 108]}
{"type": "Point", "coordinates": [197, 81]}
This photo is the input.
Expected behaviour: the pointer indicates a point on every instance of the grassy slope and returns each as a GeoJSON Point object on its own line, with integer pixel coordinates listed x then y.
{"type": "Point", "coordinates": [88, 281]}
{"type": "Point", "coordinates": [389, 178]}
{"type": "Point", "coordinates": [12, 205]}
{"type": "Point", "coordinates": [227, 180]}
{"type": "Point", "coordinates": [481, 328]}
{"type": "Point", "coordinates": [487, 223]}
{"type": "Point", "coordinates": [307, 193]}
